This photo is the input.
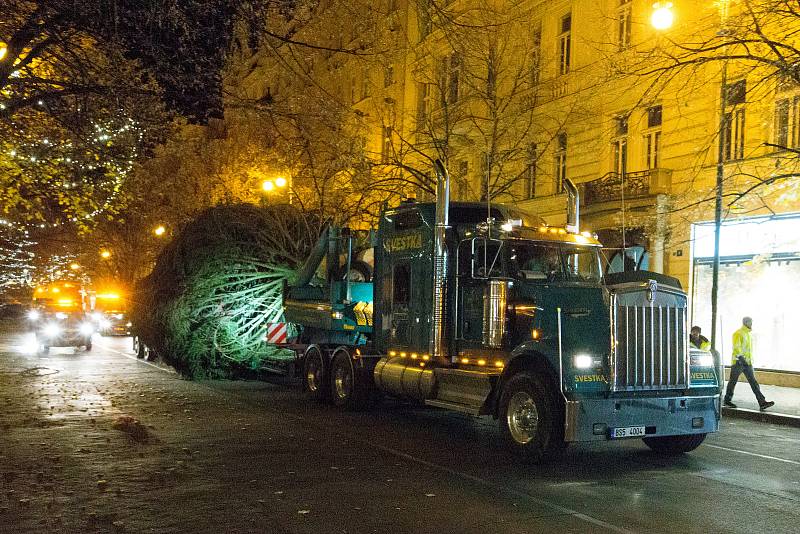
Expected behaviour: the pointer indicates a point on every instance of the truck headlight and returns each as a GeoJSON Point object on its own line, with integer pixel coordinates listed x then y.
{"type": "Point", "coordinates": [704, 360]}
{"type": "Point", "coordinates": [583, 361]}
{"type": "Point", "coordinates": [87, 329]}
{"type": "Point", "coordinates": [52, 330]}
{"type": "Point", "coordinates": [34, 315]}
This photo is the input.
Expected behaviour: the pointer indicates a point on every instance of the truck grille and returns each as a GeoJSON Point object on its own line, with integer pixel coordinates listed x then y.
{"type": "Point", "coordinates": [651, 347]}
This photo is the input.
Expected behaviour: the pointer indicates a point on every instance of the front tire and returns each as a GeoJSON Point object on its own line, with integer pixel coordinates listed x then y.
{"type": "Point", "coordinates": [529, 418]}
{"type": "Point", "coordinates": [673, 445]}
{"type": "Point", "coordinates": [315, 375]}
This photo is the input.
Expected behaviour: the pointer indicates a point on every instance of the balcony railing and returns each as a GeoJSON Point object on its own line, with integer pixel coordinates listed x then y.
{"type": "Point", "coordinates": [613, 186]}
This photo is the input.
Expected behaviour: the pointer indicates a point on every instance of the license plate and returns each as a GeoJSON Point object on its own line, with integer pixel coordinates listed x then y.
{"type": "Point", "coordinates": [627, 432]}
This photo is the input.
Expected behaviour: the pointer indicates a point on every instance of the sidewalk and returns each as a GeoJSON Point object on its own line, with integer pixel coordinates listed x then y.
{"type": "Point", "coordinates": [785, 412]}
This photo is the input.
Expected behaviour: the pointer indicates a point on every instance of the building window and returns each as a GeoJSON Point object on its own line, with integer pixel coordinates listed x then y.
{"type": "Point", "coordinates": [734, 134]}
{"type": "Point", "coordinates": [619, 145]}
{"type": "Point", "coordinates": [423, 20]}
{"type": "Point", "coordinates": [530, 171]}
{"type": "Point", "coordinates": [624, 24]}
{"type": "Point", "coordinates": [388, 75]}
{"type": "Point", "coordinates": [787, 123]}
{"type": "Point", "coordinates": [560, 162]}
{"type": "Point", "coordinates": [386, 144]}
{"type": "Point", "coordinates": [652, 137]}
{"type": "Point", "coordinates": [736, 93]}
{"type": "Point", "coordinates": [453, 75]}
{"type": "Point", "coordinates": [565, 44]}
{"type": "Point", "coordinates": [365, 88]}
{"type": "Point", "coordinates": [536, 52]}
{"type": "Point", "coordinates": [423, 104]}
{"type": "Point", "coordinates": [463, 179]}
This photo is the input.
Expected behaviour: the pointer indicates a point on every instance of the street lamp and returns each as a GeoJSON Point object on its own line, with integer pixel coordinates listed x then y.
{"type": "Point", "coordinates": [105, 254]}
{"type": "Point", "coordinates": [268, 185]}
{"type": "Point", "coordinates": [280, 181]}
{"type": "Point", "coordinates": [159, 230]}
{"type": "Point", "coordinates": [662, 17]}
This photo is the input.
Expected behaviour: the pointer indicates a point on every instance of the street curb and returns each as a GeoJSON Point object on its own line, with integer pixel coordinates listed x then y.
{"type": "Point", "coordinates": [762, 417]}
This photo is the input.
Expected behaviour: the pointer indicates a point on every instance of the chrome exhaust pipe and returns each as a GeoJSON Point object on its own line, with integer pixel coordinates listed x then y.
{"type": "Point", "coordinates": [437, 345]}
{"type": "Point", "coordinates": [573, 206]}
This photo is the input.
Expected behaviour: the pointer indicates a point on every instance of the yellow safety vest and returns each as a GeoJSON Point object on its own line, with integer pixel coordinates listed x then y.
{"type": "Point", "coordinates": [742, 345]}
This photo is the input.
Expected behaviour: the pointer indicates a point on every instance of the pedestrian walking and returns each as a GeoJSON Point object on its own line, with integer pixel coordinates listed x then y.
{"type": "Point", "coordinates": [742, 362]}
{"type": "Point", "coordinates": [697, 340]}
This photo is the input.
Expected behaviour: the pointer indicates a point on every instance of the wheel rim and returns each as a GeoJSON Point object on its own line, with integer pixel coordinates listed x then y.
{"type": "Point", "coordinates": [343, 382]}
{"type": "Point", "coordinates": [313, 374]}
{"type": "Point", "coordinates": [522, 417]}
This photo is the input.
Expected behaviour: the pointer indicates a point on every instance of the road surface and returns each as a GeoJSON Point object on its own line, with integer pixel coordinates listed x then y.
{"type": "Point", "coordinates": [102, 442]}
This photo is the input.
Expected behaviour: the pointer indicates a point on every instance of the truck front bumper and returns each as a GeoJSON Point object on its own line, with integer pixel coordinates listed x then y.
{"type": "Point", "coordinates": [593, 419]}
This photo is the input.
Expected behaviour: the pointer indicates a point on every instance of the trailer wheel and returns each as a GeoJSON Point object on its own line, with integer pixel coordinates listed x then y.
{"type": "Point", "coordinates": [351, 388]}
{"type": "Point", "coordinates": [673, 445]}
{"type": "Point", "coordinates": [315, 375]}
{"type": "Point", "coordinates": [528, 418]}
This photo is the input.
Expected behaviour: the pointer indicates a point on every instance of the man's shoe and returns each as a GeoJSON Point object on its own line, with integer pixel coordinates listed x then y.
{"type": "Point", "coordinates": [729, 404]}
{"type": "Point", "coordinates": [766, 404]}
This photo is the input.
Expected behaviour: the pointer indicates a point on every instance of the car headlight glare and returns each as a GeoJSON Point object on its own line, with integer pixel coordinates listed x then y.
{"type": "Point", "coordinates": [34, 315]}
{"type": "Point", "coordinates": [52, 330]}
{"type": "Point", "coordinates": [87, 328]}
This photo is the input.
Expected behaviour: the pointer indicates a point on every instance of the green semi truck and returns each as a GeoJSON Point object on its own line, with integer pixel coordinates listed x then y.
{"type": "Point", "coordinates": [486, 310]}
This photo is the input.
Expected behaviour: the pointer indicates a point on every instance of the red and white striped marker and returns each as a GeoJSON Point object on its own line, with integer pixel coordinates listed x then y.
{"type": "Point", "coordinates": [276, 333]}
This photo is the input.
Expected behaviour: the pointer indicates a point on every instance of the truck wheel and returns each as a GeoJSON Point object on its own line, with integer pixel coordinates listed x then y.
{"type": "Point", "coordinates": [88, 345]}
{"type": "Point", "coordinates": [136, 345]}
{"type": "Point", "coordinates": [315, 375]}
{"type": "Point", "coordinates": [351, 388]}
{"type": "Point", "coordinates": [528, 418]}
{"type": "Point", "coordinates": [675, 444]}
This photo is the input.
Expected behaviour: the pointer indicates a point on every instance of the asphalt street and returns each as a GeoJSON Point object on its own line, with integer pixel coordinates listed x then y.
{"type": "Point", "coordinates": [101, 442]}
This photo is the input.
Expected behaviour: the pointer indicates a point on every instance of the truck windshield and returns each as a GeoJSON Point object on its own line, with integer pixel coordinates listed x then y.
{"type": "Point", "coordinates": [549, 262]}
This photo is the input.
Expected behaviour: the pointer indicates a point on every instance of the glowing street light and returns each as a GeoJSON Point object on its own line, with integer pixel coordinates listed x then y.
{"type": "Point", "coordinates": [280, 181]}
{"type": "Point", "coordinates": [105, 254]}
{"type": "Point", "coordinates": [159, 230]}
{"type": "Point", "coordinates": [268, 185]}
{"type": "Point", "coordinates": [662, 17]}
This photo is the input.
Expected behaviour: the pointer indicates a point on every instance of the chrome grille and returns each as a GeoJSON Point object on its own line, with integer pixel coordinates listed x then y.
{"type": "Point", "coordinates": [650, 343]}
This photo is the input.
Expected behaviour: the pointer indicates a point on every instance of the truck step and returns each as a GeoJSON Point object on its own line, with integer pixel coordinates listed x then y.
{"type": "Point", "coordinates": [463, 408]}
{"type": "Point", "coordinates": [463, 388]}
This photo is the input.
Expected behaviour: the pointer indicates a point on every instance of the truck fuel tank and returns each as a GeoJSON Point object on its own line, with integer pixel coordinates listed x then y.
{"type": "Point", "coordinates": [404, 378]}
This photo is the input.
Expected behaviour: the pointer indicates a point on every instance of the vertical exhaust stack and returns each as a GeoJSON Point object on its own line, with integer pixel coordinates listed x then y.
{"type": "Point", "coordinates": [573, 206]}
{"type": "Point", "coordinates": [437, 346]}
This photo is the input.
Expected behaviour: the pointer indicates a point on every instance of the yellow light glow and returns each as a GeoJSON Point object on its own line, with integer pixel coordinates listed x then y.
{"type": "Point", "coordinates": [268, 185]}
{"type": "Point", "coordinates": [402, 354]}
{"type": "Point", "coordinates": [3, 51]}
{"type": "Point", "coordinates": [562, 231]}
{"type": "Point", "coordinates": [422, 364]}
{"type": "Point", "coordinates": [105, 254]}
{"type": "Point", "coordinates": [392, 353]}
{"type": "Point", "coordinates": [553, 230]}
{"type": "Point", "coordinates": [65, 302]}
{"type": "Point", "coordinates": [56, 290]}
{"type": "Point", "coordinates": [108, 296]}
{"type": "Point", "coordinates": [159, 230]}
{"type": "Point", "coordinates": [426, 357]}
{"type": "Point", "coordinates": [535, 334]}
{"type": "Point", "coordinates": [481, 362]}
{"type": "Point", "coordinates": [74, 266]}
{"type": "Point", "coordinates": [662, 17]}
{"type": "Point", "coordinates": [543, 229]}
{"type": "Point", "coordinates": [413, 355]}
{"type": "Point", "coordinates": [40, 290]}
{"type": "Point", "coordinates": [358, 352]}
{"type": "Point", "coordinates": [498, 363]}
{"type": "Point", "coordinates": [464, 360]}
{"type": "Point", "coordinates": [280, 181]}
{"type": "Point", "coordinates": [586, 233]}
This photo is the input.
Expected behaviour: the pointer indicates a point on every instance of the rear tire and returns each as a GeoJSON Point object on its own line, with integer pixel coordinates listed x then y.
{"type": "Point", "coordinates": [316, 375]}
{"type": "Point", "coordinates": [351, 386]}
{"type": "Point", "coordinates": [673, 445]}
{"type": "Point", "coordinates": [530, 418]}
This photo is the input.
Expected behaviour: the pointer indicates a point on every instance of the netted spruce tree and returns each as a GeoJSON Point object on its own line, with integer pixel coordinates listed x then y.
{"type": "Point", "coordinates": [205, 306]}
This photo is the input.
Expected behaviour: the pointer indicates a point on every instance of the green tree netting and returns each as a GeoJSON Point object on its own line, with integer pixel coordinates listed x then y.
{"type": "Point", "coordinates": [205, 306]}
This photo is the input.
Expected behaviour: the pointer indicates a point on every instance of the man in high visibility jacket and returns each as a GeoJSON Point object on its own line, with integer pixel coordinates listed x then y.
{"type": "Point", "coordinates": [697, 340]}
{"type": "Point", "coordinates": [742, 362]}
